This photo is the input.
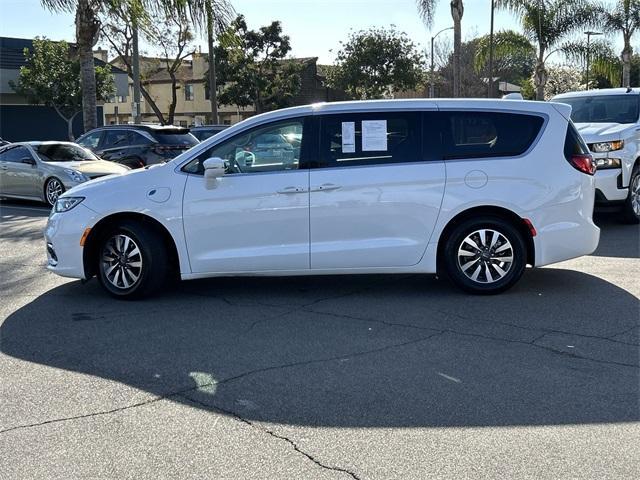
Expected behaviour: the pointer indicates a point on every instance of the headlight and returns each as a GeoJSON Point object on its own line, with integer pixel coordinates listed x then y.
{"type": "Point", "coordinates": [75, 175]}
{"type": "Point", "coordinates": [607, 146]}
{"type": "Point", "coordinates": [67, 203]}
{"type": "Point", "coordinates": [604, 163]}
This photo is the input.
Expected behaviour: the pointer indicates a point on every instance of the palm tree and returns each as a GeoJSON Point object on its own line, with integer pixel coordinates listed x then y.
{"type": "Point", "coordinates": [87, 30]}
{"type": "Point", "coordinates": [548, 24]}
{"type": "Point", "coordinates": [625, 18]}
{"type": "Point", "coordinates": [427, 9]}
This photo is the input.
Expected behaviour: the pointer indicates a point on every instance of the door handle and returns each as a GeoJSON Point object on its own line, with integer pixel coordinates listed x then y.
{"type": "Point", "coordinates": [289, 190]}
{"type": "Point", "coordinates": [325, 187]}
{"type": "Point", "coordinates": [4, 167]}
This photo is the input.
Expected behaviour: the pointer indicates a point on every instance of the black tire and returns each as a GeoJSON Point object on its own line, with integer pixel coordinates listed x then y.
{"type": "Point", "coordinates": [501, 275]}
{"type": "Point", "coordinates": [631, 207]}
{"type": "Point", "coordinates": [154, 267]}
{"type": "Point", "coordinates": [48, 185]}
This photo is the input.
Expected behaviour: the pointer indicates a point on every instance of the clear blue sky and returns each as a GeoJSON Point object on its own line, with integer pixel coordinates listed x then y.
{"type": "Point", "coordinates": [315, 26]}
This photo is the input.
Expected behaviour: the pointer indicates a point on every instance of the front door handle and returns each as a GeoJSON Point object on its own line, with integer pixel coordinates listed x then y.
{"type": "Point", "coordinates": [289, 190]}
{"type": "Point", "coordinates": [325, 187]}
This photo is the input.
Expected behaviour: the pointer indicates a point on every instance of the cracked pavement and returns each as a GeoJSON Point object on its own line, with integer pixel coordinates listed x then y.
{"type": "Point", "coordinates": [360, 377]}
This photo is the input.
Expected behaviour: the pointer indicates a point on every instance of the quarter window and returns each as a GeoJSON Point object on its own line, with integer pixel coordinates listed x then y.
{"type": "Point", "coordinates": [488, 134]}
{"type": "Point", "coordinates": [272, 147]}
{"type": "Point", "coordinates": [369, 139]}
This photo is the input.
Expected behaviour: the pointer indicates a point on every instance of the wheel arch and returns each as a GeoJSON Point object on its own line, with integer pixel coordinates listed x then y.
{"type": "Point", "coordinates": [516, 220]}
{"type": "Point", "coordinates": [100, 229]}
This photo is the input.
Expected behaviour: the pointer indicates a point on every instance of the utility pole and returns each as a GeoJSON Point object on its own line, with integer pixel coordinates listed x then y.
{"type": "Point", "coordinates": [135, 106]}
{"type": "Point", "coordinates": [490, 79]}
{"type": "Point", "coordinates": [589, 34]}
{"type": "Point", "coordinates": [431, 82]}
{"type": "Point", "coordinates": [213, 87]}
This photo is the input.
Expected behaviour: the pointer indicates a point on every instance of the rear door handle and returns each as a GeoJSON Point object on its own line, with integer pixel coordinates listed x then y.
{"type": "Point", "coordinates": [289, 190]}
{"type": "Point", "coordinates": [325, 187]}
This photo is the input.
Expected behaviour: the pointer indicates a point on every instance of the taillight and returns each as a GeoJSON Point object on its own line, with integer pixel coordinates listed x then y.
{"type": "Point", "coordinates": [584, 163]}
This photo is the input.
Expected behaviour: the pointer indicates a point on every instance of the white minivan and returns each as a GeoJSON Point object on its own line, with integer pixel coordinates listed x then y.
{"type": "Point", "coordinates": [474, 189]}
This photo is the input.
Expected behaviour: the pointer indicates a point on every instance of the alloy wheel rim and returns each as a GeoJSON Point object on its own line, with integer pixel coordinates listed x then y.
{"type": "Point", "coordinates": [485, 256]}
{"type": "Point", "coordinates": [122, 261]}
{"type": "Point", "coordinates": [635, 195]}
{"type": "Point", "coordinates": [54, 190]}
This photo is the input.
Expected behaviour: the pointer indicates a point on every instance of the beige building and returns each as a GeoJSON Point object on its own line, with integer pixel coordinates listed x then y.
{"type": "Point", "coordinates": [193, 106]}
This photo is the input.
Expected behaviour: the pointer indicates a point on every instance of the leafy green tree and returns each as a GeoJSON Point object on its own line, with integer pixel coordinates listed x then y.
{"type": "Point", "coordinates": [623, 18]}
{"type": "Point", "coordinates": [51, 77]}
{"type": "Point", "coordinates": [514, 56]}
{"type": "Point", "coordinates": [253, 66]}
{"type": "Point", "coordinates": [548, 24]}
{"type": "Point", "coordinates": [376, 63]}
{"type": "Point", "coordinates": [426, 9]}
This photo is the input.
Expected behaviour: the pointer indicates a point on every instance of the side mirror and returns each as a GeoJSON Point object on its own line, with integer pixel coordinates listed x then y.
{"type": "Point", "coordinates": [213, 169]}
{"type": "Point", "coordinates": [28, 161]}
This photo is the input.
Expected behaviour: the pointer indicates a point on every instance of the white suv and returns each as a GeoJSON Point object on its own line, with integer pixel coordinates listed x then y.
{"type": "Point", "coordinates": [609, 121]}
{"type": "Point", "coordinates": [474, 189]}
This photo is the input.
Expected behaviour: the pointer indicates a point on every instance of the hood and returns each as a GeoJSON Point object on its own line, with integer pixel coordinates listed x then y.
{"type": "Point", "coordinates": [601, 132]}
{"type": "Point", "coordinates": [112, 180]}
{"type": "Point", "coordinates": [92, 168]}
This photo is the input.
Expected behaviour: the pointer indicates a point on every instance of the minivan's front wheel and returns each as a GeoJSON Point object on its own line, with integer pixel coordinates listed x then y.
{"type": "Point", "coordinates": [132, 261]}
{"type": "Point", "coordinates": [485, 255]}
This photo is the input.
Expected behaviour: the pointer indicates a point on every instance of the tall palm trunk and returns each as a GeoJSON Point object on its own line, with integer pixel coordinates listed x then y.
{"type": "Point", "coordinates": [87, 27]}
{"type": "Point", "coordinates": [457, 10]}
{"type": "Point", "coordinates": [627, 52]}
{"type": "Point", "coordinates": [540, 77]}
{"type": "Point", "coordinates": [213, 87]}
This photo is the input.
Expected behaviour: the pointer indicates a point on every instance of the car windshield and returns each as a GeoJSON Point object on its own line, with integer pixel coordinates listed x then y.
{"type": "Point", "coordinates": [604, 108]}
{"type": "Point", "coordinates": [61, 152]}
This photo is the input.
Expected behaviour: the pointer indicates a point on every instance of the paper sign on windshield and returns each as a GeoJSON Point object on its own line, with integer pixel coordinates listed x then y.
{"type": "Point", "coordinates": [374, 135]}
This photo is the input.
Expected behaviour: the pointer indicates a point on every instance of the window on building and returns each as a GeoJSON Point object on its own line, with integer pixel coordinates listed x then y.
{"type": "Point", "coordinates": [188, 92]}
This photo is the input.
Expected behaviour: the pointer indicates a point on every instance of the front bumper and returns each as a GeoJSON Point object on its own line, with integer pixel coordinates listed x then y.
{"type": "Point", "coordinates": [62, 240]}
{"type": "Point", "coordinates": [609, 184]}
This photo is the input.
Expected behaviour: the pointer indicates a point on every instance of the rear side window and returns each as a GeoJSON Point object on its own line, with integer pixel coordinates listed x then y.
{"type": "Point", "coordinates": [488, 134]}
{"type": "Point", "coordinates": [369, 139]}
{"type": "Point", "coordinates": [573, 143]}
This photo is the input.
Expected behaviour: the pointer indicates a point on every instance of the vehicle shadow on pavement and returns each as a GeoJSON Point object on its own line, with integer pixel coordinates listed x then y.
{"type": "Point", "coordinates": [353, 351]}
{"type": "Point", "coordinates": [617, 239]}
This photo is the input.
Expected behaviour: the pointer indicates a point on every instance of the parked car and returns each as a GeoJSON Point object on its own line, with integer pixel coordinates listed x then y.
{"type": "Point", "coordinates": [474, 189]}
{"type": "Point", "coordinates": [138, 145]}
{"type": "Point", "coordinates": [42, 171]}
{"type": "Point", "coordinates": [609, 121]}
{"type": "Point", "coordinates": [206, 131]}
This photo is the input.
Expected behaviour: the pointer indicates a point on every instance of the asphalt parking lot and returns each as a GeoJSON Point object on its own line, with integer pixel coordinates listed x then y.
{"type": "Point", "coordinates": [365, 377]}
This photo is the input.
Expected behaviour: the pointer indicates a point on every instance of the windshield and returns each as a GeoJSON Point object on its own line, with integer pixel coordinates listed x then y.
{"type": "Point", "coordinates": [177, 138]}
{"type": "Point", "coordinates": [58, 152]}
{"type": "Point", "coordinates": [604, 108]}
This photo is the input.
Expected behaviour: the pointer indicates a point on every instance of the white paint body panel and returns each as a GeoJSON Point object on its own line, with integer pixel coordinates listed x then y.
{"type": "Point", "coordinates": [381, 219]}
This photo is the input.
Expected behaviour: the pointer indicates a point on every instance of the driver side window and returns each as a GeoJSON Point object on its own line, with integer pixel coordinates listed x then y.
{"type": "Point", "coordinates": [268, 148]}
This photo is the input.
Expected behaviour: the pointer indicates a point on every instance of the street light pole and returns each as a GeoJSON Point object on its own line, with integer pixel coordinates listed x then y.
{"type": "Point", "coordinates": [431, 82]}
{"type": "Point", "coordinates": [490, 89]}
{"type": "Point", "coordinates": [589, 34]}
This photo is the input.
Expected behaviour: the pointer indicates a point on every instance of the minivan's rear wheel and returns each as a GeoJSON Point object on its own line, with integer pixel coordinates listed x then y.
{"type": "Point", "coordinates": [631, 208]}
{"type": "Point", "coordinates": [485, 255]}
{"type": "Point", "coordinates": [132, 261]}
{"type": "Point", "coordinates": [52, 190]}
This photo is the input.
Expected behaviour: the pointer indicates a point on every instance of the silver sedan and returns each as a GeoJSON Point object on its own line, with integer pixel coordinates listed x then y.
{"type": "Point", "coordinates": [44, 170]}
